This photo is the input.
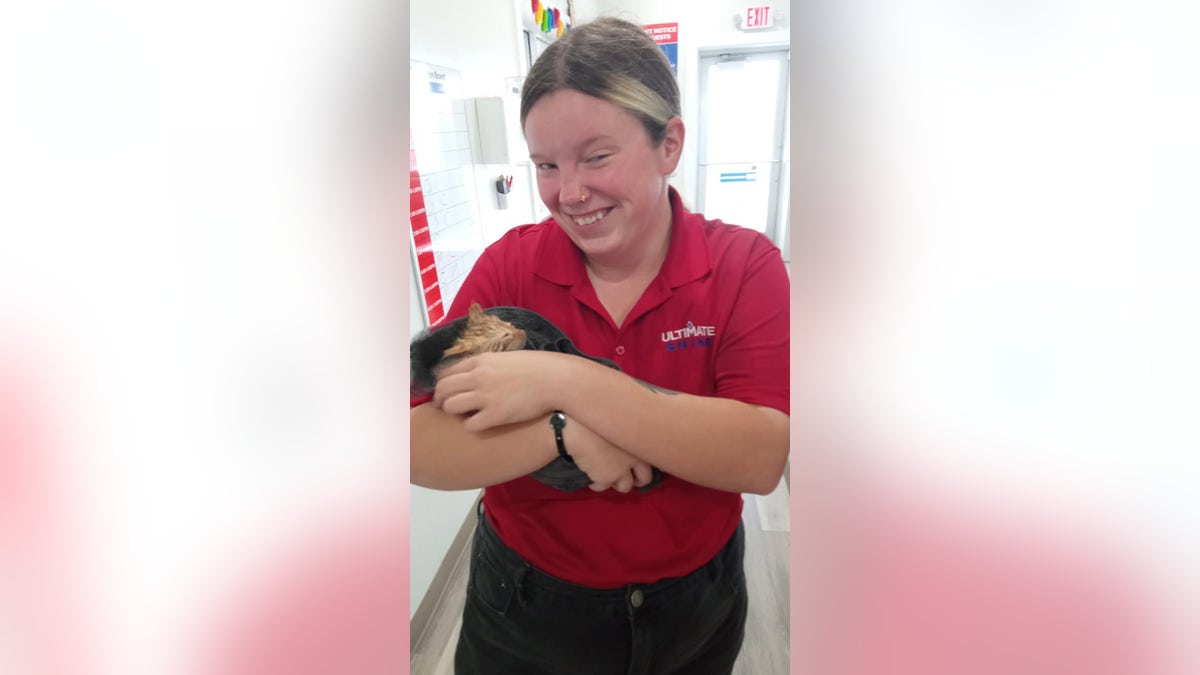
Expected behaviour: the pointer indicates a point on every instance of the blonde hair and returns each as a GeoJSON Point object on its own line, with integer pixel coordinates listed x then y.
{"type": "Point", "coordinates": [612, 60]}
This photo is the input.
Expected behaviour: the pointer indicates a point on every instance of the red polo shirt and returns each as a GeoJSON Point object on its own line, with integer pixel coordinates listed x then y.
{"type": "Point", "coordinates": [714, 322]}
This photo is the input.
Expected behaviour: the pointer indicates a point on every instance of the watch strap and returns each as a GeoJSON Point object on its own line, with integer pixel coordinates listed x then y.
{"type": "Point", "coordinates": [558, 421]}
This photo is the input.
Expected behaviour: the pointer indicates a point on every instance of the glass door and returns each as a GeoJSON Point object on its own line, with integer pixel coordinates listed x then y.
{"type": "Point", "coordinates": [743, 98]}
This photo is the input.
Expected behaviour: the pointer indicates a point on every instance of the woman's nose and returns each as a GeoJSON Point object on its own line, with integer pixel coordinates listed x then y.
{"type": "Point", "coordinates": [571, 189]}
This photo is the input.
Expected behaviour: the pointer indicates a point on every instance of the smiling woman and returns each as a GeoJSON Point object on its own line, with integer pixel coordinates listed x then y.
{"type": "Point", "coordinates": [613, 580]}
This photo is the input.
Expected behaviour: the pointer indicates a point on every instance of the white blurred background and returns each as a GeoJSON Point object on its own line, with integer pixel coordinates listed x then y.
{"type": "Point", "coordinates": [1003, 234]}
{"type": "Point", "coordinates": [196, 302]}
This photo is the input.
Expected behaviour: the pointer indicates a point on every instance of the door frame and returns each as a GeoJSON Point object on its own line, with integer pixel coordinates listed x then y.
{"type": "Point", "coordinates": [707, 54]}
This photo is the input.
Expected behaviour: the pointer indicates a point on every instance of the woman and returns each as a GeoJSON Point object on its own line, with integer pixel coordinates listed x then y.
{"type": "Point", "coordinates": [613, 580]}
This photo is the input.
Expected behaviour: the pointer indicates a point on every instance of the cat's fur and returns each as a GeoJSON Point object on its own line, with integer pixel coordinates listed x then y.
{"type": "Point", "coordinates": [482, 333]}
{"type": "Point", "coordinates": [499, 329]}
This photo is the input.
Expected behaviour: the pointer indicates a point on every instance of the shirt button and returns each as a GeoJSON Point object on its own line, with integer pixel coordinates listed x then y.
{"type": "Point", "coordinates": [620, 349]}
{"type": "Point", "coordinates": [635, 598]}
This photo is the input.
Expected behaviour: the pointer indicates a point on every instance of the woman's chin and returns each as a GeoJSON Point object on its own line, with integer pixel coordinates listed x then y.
{"type": "Point", "coordinates": [598, 247]}
{"type": "Point", "coordinates": [595, 238]}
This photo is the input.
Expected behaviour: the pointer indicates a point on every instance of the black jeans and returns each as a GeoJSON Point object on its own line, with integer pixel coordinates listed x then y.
{"type": "Point", "coordinates": [523, 621]}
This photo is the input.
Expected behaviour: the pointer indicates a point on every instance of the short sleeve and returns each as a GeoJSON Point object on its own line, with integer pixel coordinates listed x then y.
{"type": "Point", "coordinates": [753, 362]}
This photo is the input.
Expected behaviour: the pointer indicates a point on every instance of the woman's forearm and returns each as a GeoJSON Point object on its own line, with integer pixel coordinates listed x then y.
{"type": "Point", "coordinates": [720, 443]}
{"type": "Point", "coordinates": [444, 456]}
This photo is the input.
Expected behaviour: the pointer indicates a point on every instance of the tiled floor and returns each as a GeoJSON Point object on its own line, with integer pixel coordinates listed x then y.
{"type": "Point", "coordinates": [766, 649]}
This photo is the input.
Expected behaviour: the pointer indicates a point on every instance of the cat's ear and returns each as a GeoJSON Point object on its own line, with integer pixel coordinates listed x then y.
{"type": "Point", "coordinates": [476, 311]}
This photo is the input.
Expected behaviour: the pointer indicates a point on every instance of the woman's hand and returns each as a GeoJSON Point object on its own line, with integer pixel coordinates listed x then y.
{"type": "Point", "coordinates": [607, 465]}
{"type": "Point", "coordinates": [499, 388]}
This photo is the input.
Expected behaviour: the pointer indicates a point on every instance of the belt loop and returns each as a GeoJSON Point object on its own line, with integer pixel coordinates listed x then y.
{"type": "Point", "coordinates": [521, 574]}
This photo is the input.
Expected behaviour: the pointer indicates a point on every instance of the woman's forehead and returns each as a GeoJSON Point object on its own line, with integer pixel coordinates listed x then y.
{"type": "Point", "coordinates": [569, 118]}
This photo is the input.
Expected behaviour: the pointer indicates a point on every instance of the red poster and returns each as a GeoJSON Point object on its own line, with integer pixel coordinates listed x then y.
{"type": "Point", "coordinates": [423, 246]}
{"type": "Point", "coordinates": [667, 37]}
{"type": "Point", "coordinates": [663, 32]}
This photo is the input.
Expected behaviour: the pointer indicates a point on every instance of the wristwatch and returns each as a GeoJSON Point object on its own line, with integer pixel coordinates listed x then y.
{"type": "Point", "coordinates": [559, 421]}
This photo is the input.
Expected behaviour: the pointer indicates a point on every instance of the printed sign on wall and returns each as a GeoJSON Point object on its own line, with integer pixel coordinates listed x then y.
{"type": "Point", "coordinates": [667, 37]}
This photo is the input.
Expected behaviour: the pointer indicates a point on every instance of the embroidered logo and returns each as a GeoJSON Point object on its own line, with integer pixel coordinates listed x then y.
{"type": "Point", "coordinates": [689, 336]}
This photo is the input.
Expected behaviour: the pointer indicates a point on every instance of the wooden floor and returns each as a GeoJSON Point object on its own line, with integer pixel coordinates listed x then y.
{"type": "Point", "coordinates": [766, 649]}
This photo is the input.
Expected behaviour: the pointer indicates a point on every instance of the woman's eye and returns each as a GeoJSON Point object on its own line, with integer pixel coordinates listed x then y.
{"type": "Point", "coordinates": [598, 158]}
{"type": "Point", "coordinates": [545, 166]}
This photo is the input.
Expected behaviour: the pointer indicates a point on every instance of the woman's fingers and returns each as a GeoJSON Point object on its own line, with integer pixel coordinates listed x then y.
{"type": "Point", "coordinates": [462, 404]}
{"type": "Point", "coordinates": [448, 387]}
{"type": "Point", "coordinates": [643, 473]}
{"type": "Point", "coordinates": [624, 483]}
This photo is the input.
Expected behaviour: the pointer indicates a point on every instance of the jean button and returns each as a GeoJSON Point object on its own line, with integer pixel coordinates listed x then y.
{"type": "Point", "coordinates": [635, 598]}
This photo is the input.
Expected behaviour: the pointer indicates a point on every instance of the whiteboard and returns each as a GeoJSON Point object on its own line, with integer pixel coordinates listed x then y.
{"type": "Point", "coordinates": [445, 236]}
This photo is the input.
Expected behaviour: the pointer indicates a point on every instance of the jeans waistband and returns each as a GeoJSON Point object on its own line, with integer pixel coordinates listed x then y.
{"type": "Point", "coordinates": [727, 560]}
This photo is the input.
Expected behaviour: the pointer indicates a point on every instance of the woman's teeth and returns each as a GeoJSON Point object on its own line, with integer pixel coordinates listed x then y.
{"type": "Point", "coordinates": [592, 219]}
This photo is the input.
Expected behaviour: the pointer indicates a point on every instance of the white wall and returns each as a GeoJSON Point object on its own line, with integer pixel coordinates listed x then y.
{"type": "Point", "coordinates": [586, 10]}
{"type": "Point", "coordinates": [481, 44]}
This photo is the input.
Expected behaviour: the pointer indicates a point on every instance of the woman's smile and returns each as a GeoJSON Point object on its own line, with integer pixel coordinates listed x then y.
{"type": "Point", "coordinates": [592, 217]}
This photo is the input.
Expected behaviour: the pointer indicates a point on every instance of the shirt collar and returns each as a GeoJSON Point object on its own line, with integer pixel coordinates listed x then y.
{"type": "Point", "coordinates": [561, 262]}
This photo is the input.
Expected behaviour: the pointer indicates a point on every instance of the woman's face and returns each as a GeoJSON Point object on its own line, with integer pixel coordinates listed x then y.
{"type": "Point", "coordinates": [584, 146]}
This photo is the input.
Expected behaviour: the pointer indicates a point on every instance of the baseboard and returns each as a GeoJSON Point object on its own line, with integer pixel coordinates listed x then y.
{"type": "Point", "coordinates": [458, 551]}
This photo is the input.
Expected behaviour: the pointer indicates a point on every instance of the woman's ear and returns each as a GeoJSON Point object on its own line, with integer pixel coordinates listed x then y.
{"type": "Point", "coordinates": [672, 145]}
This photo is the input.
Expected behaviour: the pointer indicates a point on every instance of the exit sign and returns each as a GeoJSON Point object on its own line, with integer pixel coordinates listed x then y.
{"type": "Point", "coordinates": [754, 18]}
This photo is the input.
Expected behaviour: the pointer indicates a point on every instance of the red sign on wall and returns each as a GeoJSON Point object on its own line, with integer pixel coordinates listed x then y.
{"type": "Point", "coordinates": [667, 37]}
{"type": "Point", "coordinates": [422, 243]}
{"type": "Point", "coordinates": [663, 32]}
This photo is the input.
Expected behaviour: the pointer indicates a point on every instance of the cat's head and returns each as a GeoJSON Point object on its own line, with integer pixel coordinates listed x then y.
{"type": "Point", "coordinates": [486, 333]}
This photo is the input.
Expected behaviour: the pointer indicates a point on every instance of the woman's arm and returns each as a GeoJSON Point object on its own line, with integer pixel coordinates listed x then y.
{"type": "Point", "coordinates": [445, 455]}
{"type": "Point", "coordinates": [715, 442]}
